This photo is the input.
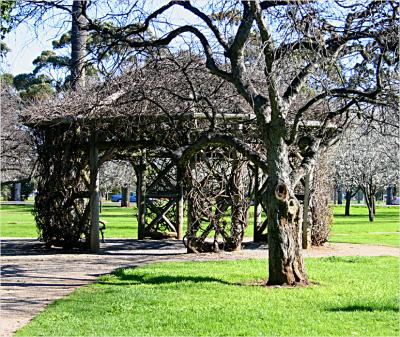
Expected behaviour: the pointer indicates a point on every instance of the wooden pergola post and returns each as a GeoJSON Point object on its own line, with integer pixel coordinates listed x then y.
{"type": "Point", "coordinates": [306, 205]}
{"type": "Point", "coordinates": [94, 244]}
{"type": "Point", "coordinates": [179, 203]}
{"type": "Point", "coordinates": [141, 198]}
{"type": "Point", "coordinates": [257, 205]}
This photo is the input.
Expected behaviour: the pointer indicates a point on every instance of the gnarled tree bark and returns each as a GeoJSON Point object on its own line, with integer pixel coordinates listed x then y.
{"type": "Point", "coordinates": [286, 265]}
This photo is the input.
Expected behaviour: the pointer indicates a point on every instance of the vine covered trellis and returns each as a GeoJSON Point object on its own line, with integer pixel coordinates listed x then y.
{"type": "Point", "coordinates": [218, 199]}
{"type": "Point", "coordinates": [61, 209]}
{"type": "Point", "coordinates": [183, 164]}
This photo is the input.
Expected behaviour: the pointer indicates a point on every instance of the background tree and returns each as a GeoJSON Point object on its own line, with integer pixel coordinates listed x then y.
{"type": "Point", "coordinates": [16, 151]}
{"type": "Point", "coordinates": [116, 174]}
{"type": "Point", "coordinates": [345, 179]}
{"type": "Point", "coordinates": [321, 216]}
{"type": "Point", "coordinates": [369, 161]}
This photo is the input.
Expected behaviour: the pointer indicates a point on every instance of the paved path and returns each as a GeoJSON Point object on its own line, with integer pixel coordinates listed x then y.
{"type": "Point", "coordinates": [33, 277]}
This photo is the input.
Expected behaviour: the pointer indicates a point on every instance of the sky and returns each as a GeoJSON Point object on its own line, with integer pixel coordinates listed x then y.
{"type": "Point", "coordinates": [26, 43]}
{"type": "Point", "coordinates": [25, 47]}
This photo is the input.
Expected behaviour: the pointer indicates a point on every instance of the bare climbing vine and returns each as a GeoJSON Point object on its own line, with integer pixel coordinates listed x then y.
{"type": "Point", "coordinates": [61, 210]}
{"type": "Point", "coordinates": [217, 201]}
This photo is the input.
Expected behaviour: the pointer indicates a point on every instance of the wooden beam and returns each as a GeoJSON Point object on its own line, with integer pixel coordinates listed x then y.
{"type": "Point", "coordinates": [179, 203]}
{"type": "Point", "coordinates": [161, 174]}
{"type": "Point", "coordinates": [141, 198]}
{"type": "Point", "coordinates": [104, 115]}
{"type": "Point", "coordinates": [306, 205]}
{"type": "Point", "coordinates": [161, 214]}
{"type": "Point", "coordinates": [257, 205]}
{"type": "Point", "coordinates": [94, 244]}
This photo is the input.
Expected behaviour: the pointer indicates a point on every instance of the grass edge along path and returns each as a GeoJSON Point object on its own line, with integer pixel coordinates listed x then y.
{"type": "Point", "coordinates": [355, 296]}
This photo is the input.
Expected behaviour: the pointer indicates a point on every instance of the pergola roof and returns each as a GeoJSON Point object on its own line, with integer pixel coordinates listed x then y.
{"type": "Point", "coordinates": [154, 93]}
{"type": "Point", "coordinates": [160, 104]}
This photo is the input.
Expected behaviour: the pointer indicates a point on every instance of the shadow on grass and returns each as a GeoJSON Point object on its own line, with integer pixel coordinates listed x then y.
{"type": "Point", "coordinates": [369, 308]}
{"type": "Point", "coordinates": [347, 259]}
{"type": "Point", "coordinates": [125, 279]}
{"type": "Point", "coordinates": [130, 280]}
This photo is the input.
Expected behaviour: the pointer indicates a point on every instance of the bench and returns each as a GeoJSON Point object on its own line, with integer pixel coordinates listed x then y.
{"type": "Point", "coordinates": [102, 228]}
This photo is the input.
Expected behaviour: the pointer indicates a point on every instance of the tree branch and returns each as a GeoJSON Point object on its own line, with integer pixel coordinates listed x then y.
{"type": "Point", "coordinates": [275, 3]}
{"type": "Point", "coordinates": [277, 110]}
{"type": "Point", "coordinates": [308, 162]}
{"type": "Point", "coordinates": [207, 20]}
{"type": "Point", "coordinates": [294, 87]}
{"type": "Point", "coordinates": [336, 92]}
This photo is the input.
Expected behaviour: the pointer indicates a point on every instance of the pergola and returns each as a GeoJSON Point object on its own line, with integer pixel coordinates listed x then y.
{"type": "Point", "coordinates": [123, 119]}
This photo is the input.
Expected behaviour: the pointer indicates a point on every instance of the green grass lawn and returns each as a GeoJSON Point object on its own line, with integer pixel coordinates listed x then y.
{"type": "Point", "coordinates": [121, 222]}
{"type": "Point", "coordinates": [356, 228]}
{"type": "Point", "coordinates": [17, 221]}
{"type": "Point", "coordinates": [355, 296]}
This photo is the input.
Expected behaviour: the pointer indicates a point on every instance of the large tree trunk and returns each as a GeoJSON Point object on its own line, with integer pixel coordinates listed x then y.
{"type": "Point", "coordinates": [389, 195]}
{"type": "Point", "coordinates": [16, 195]}
{"type": "Point", "coordinates": [286, 264]}
{"type": "Point", "coordinates": [369, 195]}
{"type": "Point", "coordinates": [78, 44]}
{"type": "Point", "coordinates": [371, 214]}
{"type": "Point", "coordinates": [373, 204]}
{"type": "Point", "coordinates": [126, 198]}
{"type": "Point", "coordinates": [339, 196]}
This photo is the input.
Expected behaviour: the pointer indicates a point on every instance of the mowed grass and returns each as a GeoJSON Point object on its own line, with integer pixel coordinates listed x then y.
{"type": "Point", "coordinates": [356, 228]}
{"type": "Point", "coordinates": [17, 221]}
{"type": "Point", "coordinates": [355, 296]}
{"type": "Point", "coordinates": [121, 222]}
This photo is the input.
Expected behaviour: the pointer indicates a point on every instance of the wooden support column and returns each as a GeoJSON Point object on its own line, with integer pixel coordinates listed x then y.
{"type": "Point", "coordinates": [179, 203]}
{"type": "Point", "coordinates": [94, 244]}
{"type": "Point", "coordinates": [141, 198]}
{"type": "Point", "coordinates": [257, 205]}
{"type": "Point", "coordinates": [306, 222]}
{"type": "Point", "coordinates": [190, 208]}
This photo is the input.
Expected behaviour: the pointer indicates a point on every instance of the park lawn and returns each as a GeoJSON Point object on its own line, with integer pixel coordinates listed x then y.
{"type": "Point", "coordinates": [356, 228]}
{"type": "Point", "coordinates": [17, 221]}
{"type": "Point", "coordinates": [121, 222]}
{"type": "Point", "coordinates": [351, 296]}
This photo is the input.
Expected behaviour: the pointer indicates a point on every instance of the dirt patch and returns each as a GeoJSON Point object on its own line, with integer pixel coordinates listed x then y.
{"type": "Point", "coordinates": [33, 277]}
